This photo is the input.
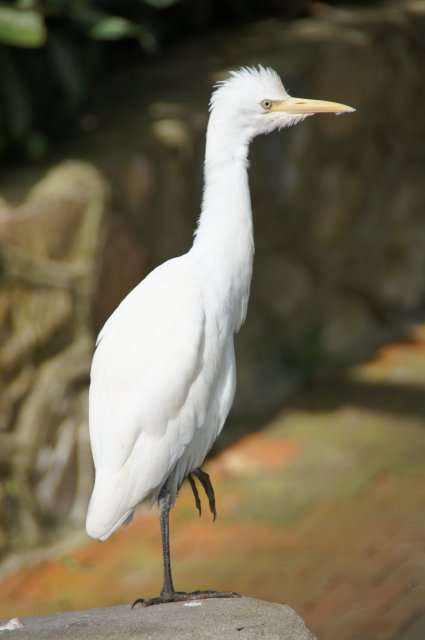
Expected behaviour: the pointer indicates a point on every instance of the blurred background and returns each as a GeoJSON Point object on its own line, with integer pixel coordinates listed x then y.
{"type": "Point", "coordinates": [319, 471]}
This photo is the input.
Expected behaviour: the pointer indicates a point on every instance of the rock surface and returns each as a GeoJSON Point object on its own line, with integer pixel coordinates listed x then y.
{"type": "Point", "coordinates": [338, 202]}
{"type": "Point", "coordinates": [339, 228]}
{"type": "Point", "coordinates": [239, 618]}
{"type": "Point", "coordinates": [49, 249]}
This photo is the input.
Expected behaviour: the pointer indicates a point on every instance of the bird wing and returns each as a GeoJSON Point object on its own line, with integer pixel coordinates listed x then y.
{"type": "Point", "coordinates": [149, 353]}
{"type": "Point", "coordinates": [148, 358]}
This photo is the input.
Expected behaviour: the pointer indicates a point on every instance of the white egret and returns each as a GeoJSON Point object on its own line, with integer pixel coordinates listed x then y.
{"type": "Point", "coordinates": [163, 374]}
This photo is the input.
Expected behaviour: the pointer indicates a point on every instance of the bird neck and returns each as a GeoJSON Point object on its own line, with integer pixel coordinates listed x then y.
{"type": "Point", "coordinates": [224, 245]}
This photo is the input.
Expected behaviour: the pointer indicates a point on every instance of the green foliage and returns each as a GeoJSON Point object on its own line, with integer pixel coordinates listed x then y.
{"type": "Point", "coordinates": [50, 52]}
{"type": "Point", "coordinates": [114, 28]}
{"type": "Point", "coordinates": [21, 27]}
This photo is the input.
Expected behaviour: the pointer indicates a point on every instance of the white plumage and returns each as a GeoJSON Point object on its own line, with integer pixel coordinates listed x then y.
{"type": "Point", "coordinates": [163, 374]}
{"type": "Point", "coordinates": [154, 405]}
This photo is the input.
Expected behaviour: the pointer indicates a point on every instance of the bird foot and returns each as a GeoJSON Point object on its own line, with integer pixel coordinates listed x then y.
{"type": "Point", "coordinates": [182, 596]}
{"type": "Point", "coordinates": [205, 481]}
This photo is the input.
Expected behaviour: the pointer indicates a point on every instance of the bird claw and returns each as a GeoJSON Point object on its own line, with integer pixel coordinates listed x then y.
{"type": "Point", "coordinates": [182, 596]}
{"type": "Point", "coordinates": [205, 481]}
{"type": "Point", "coordinates": [195, 493]}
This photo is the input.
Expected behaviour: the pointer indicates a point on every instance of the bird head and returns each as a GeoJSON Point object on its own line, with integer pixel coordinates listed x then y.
{"type": "Point", "coordinates": [256, 100]}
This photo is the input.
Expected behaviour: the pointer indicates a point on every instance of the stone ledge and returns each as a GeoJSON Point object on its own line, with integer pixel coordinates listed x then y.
{"type": "Point", "coordinates": [227, 619]}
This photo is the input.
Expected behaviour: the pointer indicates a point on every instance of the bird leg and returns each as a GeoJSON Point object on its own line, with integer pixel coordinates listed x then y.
{"type": "Point", "coordinates": [164, 503]}
{"type": "Point", "coordinates": [168, 594]}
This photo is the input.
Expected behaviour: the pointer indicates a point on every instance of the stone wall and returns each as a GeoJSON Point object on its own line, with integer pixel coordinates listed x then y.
{"type": "Point", "coordinates": [48, 265]}
{"type": "Point", "coordinates": [339, 207]}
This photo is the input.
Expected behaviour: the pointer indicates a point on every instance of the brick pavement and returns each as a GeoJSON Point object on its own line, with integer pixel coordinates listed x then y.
{"type": "Point", "coordinates": [322, 509]}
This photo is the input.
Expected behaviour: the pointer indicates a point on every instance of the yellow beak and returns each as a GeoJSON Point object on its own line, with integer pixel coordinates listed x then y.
{"type": "Point", "coordinates": [308, 107]}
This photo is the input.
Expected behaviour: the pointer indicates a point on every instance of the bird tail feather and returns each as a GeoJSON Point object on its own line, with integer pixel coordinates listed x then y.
{"type": "Point", "coordinates": [109, 507]}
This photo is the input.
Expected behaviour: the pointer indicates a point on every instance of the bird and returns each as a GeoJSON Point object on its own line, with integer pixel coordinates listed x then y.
{"type": "Point", "coordinates": [163, 374]}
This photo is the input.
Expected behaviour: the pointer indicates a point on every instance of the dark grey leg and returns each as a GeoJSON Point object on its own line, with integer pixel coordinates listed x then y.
{"type": "Point", "coordinates": [164, 503]}
{"type": "Point", "coordinates": [168, 594]}
{"type": "Point", "coordinates": [164, 519]}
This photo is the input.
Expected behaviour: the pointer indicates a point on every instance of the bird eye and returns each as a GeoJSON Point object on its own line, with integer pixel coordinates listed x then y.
{"type": "Point", "coordinates": [266, 104]}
